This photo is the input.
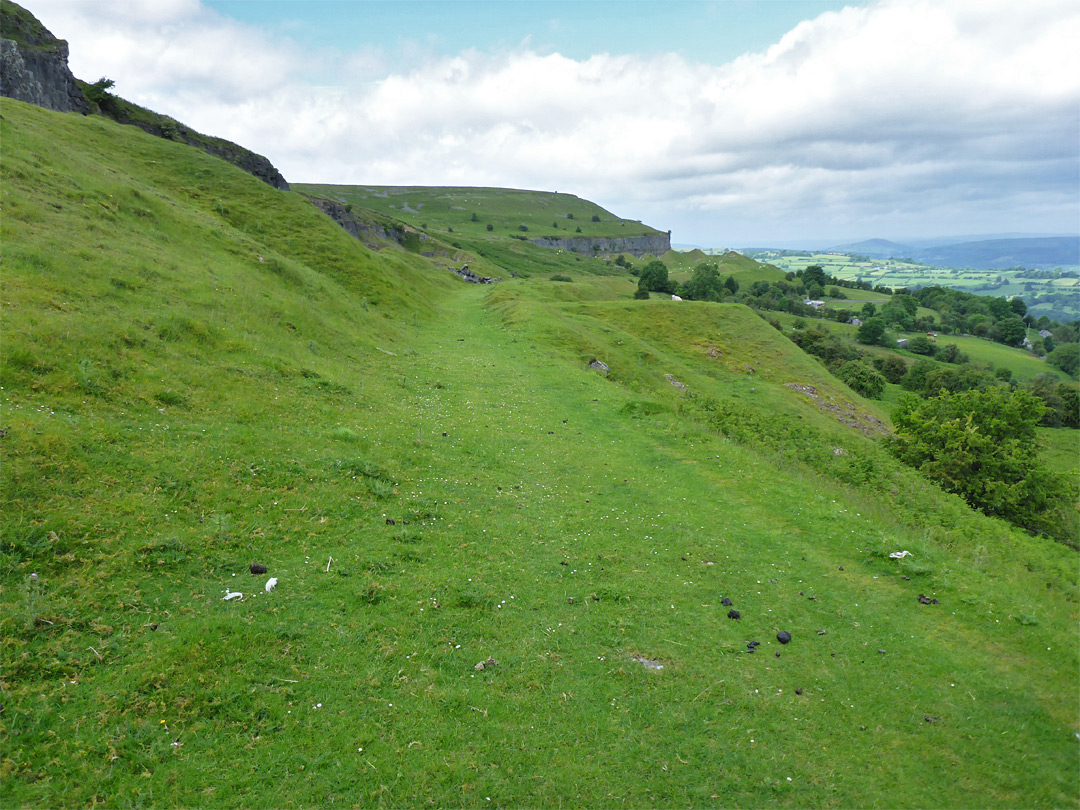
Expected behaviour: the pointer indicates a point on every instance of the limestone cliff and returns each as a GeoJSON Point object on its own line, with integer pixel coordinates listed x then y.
{"type": "Point", "coordinates": [656, 244]}
{"type": "Point", "coordinates": [34, 69]}
{"type": "Point", "coordinates": [34, 63]}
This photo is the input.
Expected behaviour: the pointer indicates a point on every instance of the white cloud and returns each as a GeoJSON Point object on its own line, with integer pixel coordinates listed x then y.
{"type": "Point", "coordinates": [910, 115]}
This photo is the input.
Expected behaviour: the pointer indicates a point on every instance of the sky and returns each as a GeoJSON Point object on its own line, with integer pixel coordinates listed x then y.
{"type": "Point", "coordinates": [734, 123]}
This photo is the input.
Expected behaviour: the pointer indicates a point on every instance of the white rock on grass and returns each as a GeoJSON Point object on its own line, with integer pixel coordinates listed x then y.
{"type": "Point", "coordinates": [271, 584]}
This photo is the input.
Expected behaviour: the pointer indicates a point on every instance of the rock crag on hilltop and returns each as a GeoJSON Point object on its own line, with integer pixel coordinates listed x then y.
{"type": "Point", "coordinates": [34, 68]}
{"type": "Point", "coordinates": [34, 64]}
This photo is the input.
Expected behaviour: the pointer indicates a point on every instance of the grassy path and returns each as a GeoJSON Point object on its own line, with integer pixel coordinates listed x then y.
{"type": "Point", "coordinates": [538, 523]}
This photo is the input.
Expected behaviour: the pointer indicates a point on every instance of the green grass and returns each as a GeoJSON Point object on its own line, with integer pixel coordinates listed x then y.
{"type": "Point", "coordinates": [174, 409]}
{"type": "Point", "coordinates": [439, 208]}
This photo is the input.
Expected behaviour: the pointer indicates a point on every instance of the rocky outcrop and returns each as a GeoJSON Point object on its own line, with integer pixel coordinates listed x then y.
{"type": "Point", "coordinates": [161, 126]}
{"type": "Point", "coordinates": [358, 227]}
{"type": "Point", "coordinates": [656, 244]}
{"type": "Point", "coordinates": [34, 69]}
{"type": "Point", "coordinates": [34, 64]}
{"type": "Point", "coordinates": [471, 277]}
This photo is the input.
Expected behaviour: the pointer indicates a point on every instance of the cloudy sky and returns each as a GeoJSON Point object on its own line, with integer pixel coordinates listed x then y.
{"type": "Point", "coordinates": [733, 123]}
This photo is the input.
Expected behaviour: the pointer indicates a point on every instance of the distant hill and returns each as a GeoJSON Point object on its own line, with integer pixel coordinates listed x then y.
{"type": "Point", "coordinates": [985, 254]}
{"type": "Point", "coordinates": [993, 254]}
{"type": "Point", "coordinates": [874, 248]}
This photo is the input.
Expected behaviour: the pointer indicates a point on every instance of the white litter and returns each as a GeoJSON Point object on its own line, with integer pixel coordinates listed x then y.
{"type": "Point", "coordinates": [899, 555]}
{"type": "Point", "coordinates": [271, 584]}
{"type": "Point", "coordinates": [232, 595]}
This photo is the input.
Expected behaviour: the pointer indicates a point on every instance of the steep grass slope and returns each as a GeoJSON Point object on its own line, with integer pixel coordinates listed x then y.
{"type": "Point", "coordinates": [201, 372]}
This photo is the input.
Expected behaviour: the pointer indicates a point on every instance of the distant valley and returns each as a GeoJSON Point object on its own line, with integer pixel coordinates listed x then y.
{"type": "Point", "coordinates": [1033, 253]}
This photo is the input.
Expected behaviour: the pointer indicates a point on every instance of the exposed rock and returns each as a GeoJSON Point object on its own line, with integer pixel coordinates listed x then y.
{"type": "Point", "coordinates": [726, 602]}
{"type": "Point", "coordinates": [257, 568]}
{"type": "Point", "coordinates": [34, 69]}
{"type": "Point", "coordinates": [848, 414]}
{"type": "Point", "coordinates": [657, 244]}
{"type": "Point", "coordinates": [360, 227]}
{"type": "Point", "coordinates": [34, 64]}
{"type": "Point", "coordinates": [471, 277]}
{"type": "Point", "coordinates": [676, 383]}
{"type": "Point", "coordinates": [783, 636]}
{"type": "Point", "coordinates": [600, 366]}
{"type": "Point", "coordinates": [161, 126]}
{"type": "Point", "coordinates": [734, 614]}
{"type": "Point", "coordinates": [648, 663]}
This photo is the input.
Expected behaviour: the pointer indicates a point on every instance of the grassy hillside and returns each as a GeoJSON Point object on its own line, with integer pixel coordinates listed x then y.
{"type": "Point", "coordinates": [201, 372]}
{"type": "Point", "coordinates": [438, 208]}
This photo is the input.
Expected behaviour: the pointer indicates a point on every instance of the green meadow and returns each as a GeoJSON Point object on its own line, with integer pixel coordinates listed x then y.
{"type": "Point", "coordinates": [505, 575]}
{"type": "Point", "coordinates": [1056, 294]}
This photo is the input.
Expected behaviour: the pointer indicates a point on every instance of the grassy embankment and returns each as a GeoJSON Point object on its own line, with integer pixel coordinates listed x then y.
{"type": "Point", "coordinates": [201, 372]}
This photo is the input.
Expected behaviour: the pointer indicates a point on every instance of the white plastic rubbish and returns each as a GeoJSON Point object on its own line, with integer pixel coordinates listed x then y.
{"type": "Point", "coordinates": [899, 555]}
{"type": "Point", "coordinates": [232, 595]}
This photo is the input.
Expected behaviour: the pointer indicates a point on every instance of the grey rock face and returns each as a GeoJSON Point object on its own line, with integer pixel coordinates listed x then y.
{"type": "Point", "coordinates": [40, 76]}
{"type": "Point", "coordinates": [656, 244]}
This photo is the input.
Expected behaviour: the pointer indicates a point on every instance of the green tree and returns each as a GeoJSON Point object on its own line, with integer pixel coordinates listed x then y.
{"type": "Point", "coordinates": [920, 344]}
{"type": "Point", "coordinates": [999, 307]}
{"type": "Point", "coordinates": [908, 302]}
{"type": "Point", "coordinates": [1066, 357]}
{"type": "Point", "coordinates": [915, 379]}
{"type": "Point", "coordinates": [982, 446]}
{"type": "Point", "coordinates": [1069, 395]}
{"type": "Point", "coordinates": [869, 310]}
{"type": "Point", "coordinates": [893, 367]}
{"type": "Point", "coordinates": [705, 283]}
{"type": "Point", "coordinates": [98, 92]}
{"type": "Point", "coordinates": [654, 277]}
{"type": "Point", "coordinates": [951, 353]}
{"type": "Point", "coordinates": [872, 332]}
{"type": "Point", "coordinates": [862, 378]}
{"type": "Point", "coordinates": [1011, 331]}
{"type": "Point", "coordinates": [895, 314]}
{"type": "Point", "coordinates": [814, 274]}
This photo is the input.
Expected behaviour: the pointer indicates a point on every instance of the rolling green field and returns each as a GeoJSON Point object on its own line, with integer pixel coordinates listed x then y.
{"type": "Point", "coordinates": [1057, 296]}
{"type": "Point", "coordinates": [501, 572]}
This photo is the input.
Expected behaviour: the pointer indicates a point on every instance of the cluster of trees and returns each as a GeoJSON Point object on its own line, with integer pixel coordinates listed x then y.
{"type": "Point", "coordinates": [704, 284]}
{"type": "Point", "coordinates": [981, 444]}
{"type": "Point", "coordinates": [967, 426]}
{"type": "Point", "coordinates": [945, 368]}
{"type": "Point", "coordinates": [867, 372]}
